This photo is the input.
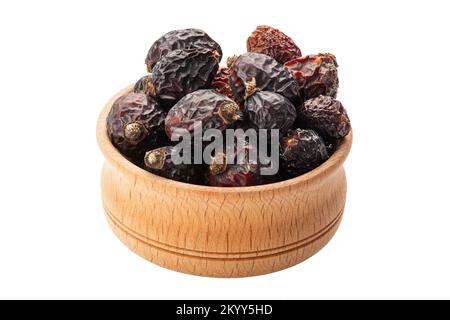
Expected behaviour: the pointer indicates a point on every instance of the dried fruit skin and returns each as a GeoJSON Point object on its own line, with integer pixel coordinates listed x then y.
{"type": "Point", "coordinates": [212, 109]}
{"type": "Point", "coordinates": [268, 74]}
{"type": "Point", "coordinates": [326, 115]}
{"type": "Point", "coordinates": [135, 123]}
{"type": "Point", "coordinates": [269, 110]}
{"type": "Point", "coordinates": [315, 74]}
{"type": "Point", "coordinates": [179, 40]}
{"type": "Point", "coordinates": [159, 161]}
{"type": "Point", "coordinates": [145, 86]}
{"type": "Point", "coordinates": [224, 174]}
{"type": "Point", "coordinates": [183, 71]}
{"type": "Point", "coordinates": [301, 151]}
{"type": "Point", "coordinates": [220, 82]}
{"type": "Point", "coordinates": [274, 43]}
{"type": "Point", "coordinates": [331, 144]}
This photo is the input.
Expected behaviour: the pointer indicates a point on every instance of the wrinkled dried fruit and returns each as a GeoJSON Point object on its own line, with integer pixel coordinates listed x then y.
{"type": "Point", "coordinates": [251, 70]}
{"type": "Point", "coordinates": [220, 83]}
{"type": "Point", "coordinates": [326, 115]}
{"type": "Point", "coordinates": [315, 74]}
{"type": "Point", "coordinates": [135, 124]}
{"type": "Point", "coordinates": [331, 144]}
{"type": "Point", "coordinates": [274, 43]}
{"type": "Point", "coordinates": [301, 151]}
{"type": "Point", "coordinates": [269, 110]}
{"type": "Point", "coordinates": [159, 161]}
{"type": "Point", "coordinates": [180, 39]}
{"type": "Point", "coordinates": [183, 71]}
{"type": "Point", "coordinates": [203, 107]}
{"type": "Point", "coordinates": [145, 86]}
{"type": "Point", "coordinates": [227, 172]}
{"type": "Point", "coordinates": [270, 88]}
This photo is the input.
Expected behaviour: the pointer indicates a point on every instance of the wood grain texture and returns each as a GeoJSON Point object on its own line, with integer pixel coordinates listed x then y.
{"type": "Point", "coordinates": [221, 232]}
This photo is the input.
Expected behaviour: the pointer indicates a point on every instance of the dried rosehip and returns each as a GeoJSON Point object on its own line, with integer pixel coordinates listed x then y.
{"type": "Point", "coordinates": [234, 174]}
{"type": "Point", "coordinates": [160, 162]}
{"type": "Point", "coordinates": [251, 70]}
{"type": "Point", "coordinates": [301, 151]}
{"type": "Point", "coordinates": [315, 74]}
{"type": "Point", "coordinates": [220, 83]}
{"type": "Point", "coordinates": [145, 85]}
{"type": "Point", "coordinates": [326, 115]}
{"type": "Point", "coordinates": [181, 72]}
{"type": "Point", "coordinates": [331, 144]}
{"type": "Point", "coordinates": [269, 110]}
{"type": "Point", "coordinates": [135, 124]}
{"type": "Point", "coordinates": [274, 43]}
{"type": "Point", "coordinates": [180, 39]}
{"type": "Point", "coordinates": [203, 107]}
{"type": "Point", "coordinates": [265, 158]}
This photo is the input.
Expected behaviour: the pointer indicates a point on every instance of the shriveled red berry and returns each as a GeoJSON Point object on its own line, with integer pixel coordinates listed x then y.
{"type": "Point", "coordinates": [181, 72]}
{"type": "Point", "coordinates": [270, 110]}
{"type": "Point", "coordinates": [180, 39]}
{"type": "Point", "coordinates": [221, 173]}
{"type": "Point", "coordinates": [274, 43]}
{"type": "Point", "coordinates": [315, 74]}
{"type": "Point", "coordinates": [326, 115]}
{"type": "Point", "coordinates": [135, 123]}
{"type": "Point", "coordinates": [255, 70]}
{"type": "Point", "coordinates": [160, 162]}
{"type": "Point", "coordinates": [301, 151]}
{"type": "Point", "coordinates": [220, 82]}
{"type": "Point", "coordinates": [207, 108]}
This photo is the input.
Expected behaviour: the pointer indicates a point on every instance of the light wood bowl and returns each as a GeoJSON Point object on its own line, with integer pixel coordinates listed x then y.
{"type": "Point", "coordinates": [221, 232]}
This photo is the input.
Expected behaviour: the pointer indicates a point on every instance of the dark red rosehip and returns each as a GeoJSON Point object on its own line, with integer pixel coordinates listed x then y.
{"type": "Point", "coordinates": [160, 162]}
{"type": "Point", "coordinates": [220, 82]}
{"type": "Point", "coordinates": [203, 107]}
{"type": "Point", "coordinates": [181, 72]}
{"type": "Point", "coordinates": [135, 123]}
{"type": "Point", "coordinates": [274, 43]}
{"type": "Point", "coordinates": [315, 74]}
{"type": "Point", "coordinates": [269, 110]}
{"type": "Point", "coordinates": [325, 115]}
{"type": "Point", "coordinates": [252, 71]}
{"type": "Point", "coordinates": [222, 173]}
{"type": "Point", "coordinates": [180, 40]}
{"type": "Point", "coordinates": [301, 151]}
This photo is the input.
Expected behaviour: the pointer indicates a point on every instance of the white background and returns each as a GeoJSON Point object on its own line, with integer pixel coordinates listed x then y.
{"type": "Point", "coordinates": [61, 61]}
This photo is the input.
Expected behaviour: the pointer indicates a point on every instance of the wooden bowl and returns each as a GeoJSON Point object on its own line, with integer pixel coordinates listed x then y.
{"type": "Point", "coordinates": [221, 232]}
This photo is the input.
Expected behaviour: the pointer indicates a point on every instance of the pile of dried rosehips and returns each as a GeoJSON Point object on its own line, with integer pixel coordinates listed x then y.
{"type": "Point", "coordinates": [271, 87]}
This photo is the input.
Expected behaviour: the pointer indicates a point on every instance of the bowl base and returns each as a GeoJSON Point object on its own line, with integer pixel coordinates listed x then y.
{"type": "Point", "coordinates": [222, 265]}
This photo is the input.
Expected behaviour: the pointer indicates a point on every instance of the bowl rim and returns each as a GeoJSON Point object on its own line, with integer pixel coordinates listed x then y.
{"type": "Point", "coordinates": [113, 156]}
